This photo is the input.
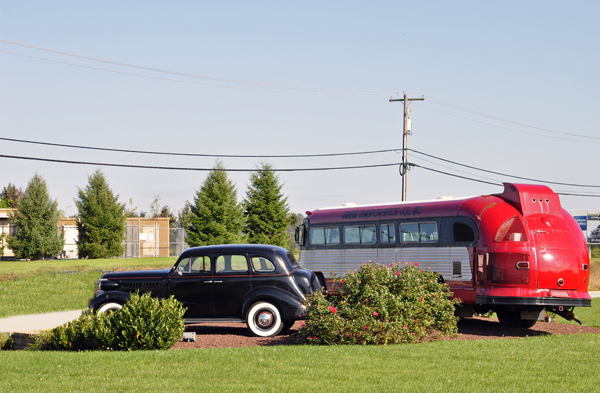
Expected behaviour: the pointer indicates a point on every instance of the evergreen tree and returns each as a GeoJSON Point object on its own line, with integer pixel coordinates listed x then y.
{"type": "Point", "coordinates": [215, 217]}
{"type": "Point", "coordinates": [266, 210]}
{"type": "Point", "coordinates": [36, 223]}
{"type": "Point", "coordinates": [101, 219]}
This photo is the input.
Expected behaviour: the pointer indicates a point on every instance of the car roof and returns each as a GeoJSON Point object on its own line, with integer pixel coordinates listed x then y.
{"type": "Point", "coordinates": [235, 248]}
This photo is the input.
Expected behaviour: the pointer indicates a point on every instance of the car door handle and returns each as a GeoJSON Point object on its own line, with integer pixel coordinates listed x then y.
{"type": "Point", "coordinates": [208, 282]}
{"type": "Point", "coordinates": [217, 282]}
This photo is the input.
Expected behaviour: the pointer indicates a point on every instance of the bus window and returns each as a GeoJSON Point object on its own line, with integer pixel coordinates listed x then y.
{"type": "Point", "coordinates": [324, 236]}
{"type": "Point", "coordinates": [429, 232]}
{"type": "Point", "coordinates": [410, 232]}
{"type": "Point", "coordinates": [419, 232]}
{"type": "Point", "coordinates": [368, 234]}
{"type": "Point", "coordinates": [388, 234]}
{"type": "Point", "coordinates": [360, 235]}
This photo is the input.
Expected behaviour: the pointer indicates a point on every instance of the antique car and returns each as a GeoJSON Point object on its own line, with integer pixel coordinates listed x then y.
{"type": "Point", "coordinates": [260, 285]}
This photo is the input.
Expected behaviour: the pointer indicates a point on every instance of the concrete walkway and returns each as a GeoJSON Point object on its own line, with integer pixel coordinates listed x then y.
{"type": "Point", "coordinates": [33, 322]}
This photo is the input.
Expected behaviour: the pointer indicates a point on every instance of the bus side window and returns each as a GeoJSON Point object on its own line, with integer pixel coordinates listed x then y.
{"type": "Point", "coordinates": [388, 234]}
{"type": "Point", "coordinates": [429, 232]}
{"type": "Point", "coordinates": [410, 232]}
{"type": "Point", "coordinates": [324, 236]}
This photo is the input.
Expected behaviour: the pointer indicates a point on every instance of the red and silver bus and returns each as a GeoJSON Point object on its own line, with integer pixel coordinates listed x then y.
{"type": "Point", "coordinates": [515, 253]}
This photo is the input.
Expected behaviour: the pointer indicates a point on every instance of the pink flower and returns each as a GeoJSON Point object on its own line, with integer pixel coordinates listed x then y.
{"type": "Point", "coordinates": [332, 309]}
{"type": "Point", "coordinates": [416, 263]}
{"type": "Point", "coordinates": [315, 337]}
{"type": "Point", "coordinates": [376, 314]}
{"type": "Point", "coordinates": [342, 281]}
{"type": "Point", "coordinates": [398, 273]}
{"type": "Point", "coordinates": [424, 285]}
{"type": "Point", "coordinates": [405, 327]}
{"type": "Point", "coordinates": [421, 298]}
{"type": "Point", "coordinates": [301, 324]}
{"type": "Point", "coordinates": [366, 328]}
{"type": "Point", "coordinates": [391, 265]}
{"type": "Point", "coordinates": [414, 334]}
{"type": "Point", "coordinates": [367, 300]}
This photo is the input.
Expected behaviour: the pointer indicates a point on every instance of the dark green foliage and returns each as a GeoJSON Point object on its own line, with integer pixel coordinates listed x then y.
{"type": "Point", "coordinates": [381, 305]}
{"type": "Point", "coordinates": [266, 210]}
{"type": "Point", "coordinates": [36, 223]}
{"type": "Point", "coordinates": [101, 219]}
{"type": "Point", "coordinates": [143, 323]}
{"type": "Point", "coordinates": [215, 217]}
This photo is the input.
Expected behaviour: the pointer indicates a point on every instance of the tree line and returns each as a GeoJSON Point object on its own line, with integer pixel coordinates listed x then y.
{"type": "Point", "coordinates": [214, 217]}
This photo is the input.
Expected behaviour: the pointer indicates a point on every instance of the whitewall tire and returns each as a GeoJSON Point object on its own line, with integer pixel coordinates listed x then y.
{"type": "Point", "coordinates": [264, 320]}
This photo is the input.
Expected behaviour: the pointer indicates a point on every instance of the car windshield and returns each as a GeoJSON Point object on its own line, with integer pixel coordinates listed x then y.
{"type": "Point", "coordinates": [292, 259]}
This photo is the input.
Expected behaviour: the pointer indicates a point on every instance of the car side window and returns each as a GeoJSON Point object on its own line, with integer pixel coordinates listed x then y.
{"type": "Point", "coordinates": [194, 265]}
{"type": "Point", "coordinates": [236, 264]}
{"type": "Point", "coordinates": [261, 264]}
{"type": "Point", "coordinates": [200, 264]}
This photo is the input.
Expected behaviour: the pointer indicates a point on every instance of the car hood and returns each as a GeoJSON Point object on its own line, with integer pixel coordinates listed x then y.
{"type": "Point", "coordinates": [142, 274]}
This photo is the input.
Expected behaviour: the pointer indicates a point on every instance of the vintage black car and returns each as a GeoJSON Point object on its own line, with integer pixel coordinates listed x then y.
{"type": "Point", "coordinates": [257, 284]}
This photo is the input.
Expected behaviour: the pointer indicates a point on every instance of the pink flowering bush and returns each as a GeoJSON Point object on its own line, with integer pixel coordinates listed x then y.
{"type": "Point", "coordinates": [377, 304]}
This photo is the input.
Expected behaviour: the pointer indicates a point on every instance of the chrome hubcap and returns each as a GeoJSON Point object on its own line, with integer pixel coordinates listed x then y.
{"type": "Point", "coordinates": [264, 319]}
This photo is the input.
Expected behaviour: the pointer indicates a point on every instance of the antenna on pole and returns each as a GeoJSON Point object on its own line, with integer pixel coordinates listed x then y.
{"type": "Point", "coordinates": [405, 132]}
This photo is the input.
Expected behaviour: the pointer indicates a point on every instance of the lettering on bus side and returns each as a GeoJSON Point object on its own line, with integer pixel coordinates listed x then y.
{"type": "Point", "coordinates": [382, 213]}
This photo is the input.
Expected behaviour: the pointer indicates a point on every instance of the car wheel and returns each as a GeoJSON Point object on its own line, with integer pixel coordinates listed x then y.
{"type": "Point", "coordinates": [264, 320]}
{"type": "Point", "coordinates": [109, 308]}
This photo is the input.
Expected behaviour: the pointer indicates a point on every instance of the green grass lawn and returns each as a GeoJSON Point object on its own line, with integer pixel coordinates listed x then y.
{"type": "Point", "coordinates": [48, 286]}
{"type": "Point", "coordinates": [536, 364]}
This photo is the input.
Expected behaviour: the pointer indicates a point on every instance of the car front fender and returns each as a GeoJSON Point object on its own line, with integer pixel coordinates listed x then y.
{"type": "Point", "coordinates": [114, 296]}
{"type": "Point", "coordinates": [291, 306]}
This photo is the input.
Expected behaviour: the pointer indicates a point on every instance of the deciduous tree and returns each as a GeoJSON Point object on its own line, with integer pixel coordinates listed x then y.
{"type": "Point", "coordinates": [265, 208]}
{"type": "Point", "coordinates": [216, 216]}
{"type": "Point", "coordinates": [101, 219]}
{"type": "Point", "coordinates": [36, 223]}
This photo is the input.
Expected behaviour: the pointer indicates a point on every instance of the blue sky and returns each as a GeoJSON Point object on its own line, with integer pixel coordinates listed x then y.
{"type": "Point", "coordinates": [510, 87]}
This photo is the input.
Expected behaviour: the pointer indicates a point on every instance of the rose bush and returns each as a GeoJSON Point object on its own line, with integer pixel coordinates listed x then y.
{"type": "Point", "coordinates": [378, 304]}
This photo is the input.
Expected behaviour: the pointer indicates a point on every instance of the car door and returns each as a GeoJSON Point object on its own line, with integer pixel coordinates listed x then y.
{"type": "Point", "coordinates": [231, 284]}
{"type": "Point", "coordinates": [190, 282]}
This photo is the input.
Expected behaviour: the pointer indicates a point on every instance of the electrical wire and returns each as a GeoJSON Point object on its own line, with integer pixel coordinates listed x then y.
{"type": "Point", "coordinates": [503, 174]}
{"type": "Point", "coordinates": [429, 98]}
{"type": "Point", "coordinates": [189, 75]}
{"type": "Point", "coordinates": [196, 154]}
{"type": "Point", "coordinates": [507, 128]}
{"type": "Point", "coordinates": [194, 169]}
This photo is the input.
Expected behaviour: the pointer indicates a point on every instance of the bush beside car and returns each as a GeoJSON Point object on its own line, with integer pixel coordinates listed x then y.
{"type": "Point", "coordinates": [379, 304]}
{"type": "Point", "coordinates": [144, 322]}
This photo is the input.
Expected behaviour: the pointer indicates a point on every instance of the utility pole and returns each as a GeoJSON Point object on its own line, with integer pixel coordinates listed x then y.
{"type": "Point", "coordinates": [404, 166]}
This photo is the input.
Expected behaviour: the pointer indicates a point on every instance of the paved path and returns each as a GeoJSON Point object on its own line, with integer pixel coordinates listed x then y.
{"type": "Point", "coordinates": [33, 322]}
{"type": "Point", "coordinates": [30, 323]}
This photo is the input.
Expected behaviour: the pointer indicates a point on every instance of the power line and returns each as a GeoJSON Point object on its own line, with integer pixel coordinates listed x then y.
{"type": "Point", "coordinates": [504, 174]}
{"type": "Point", "coordinates": [506, 120]}
{"type": "Point", "coordinates": [194, 169]}
{"type": "Point", "coordinates": [511, 129]}
{"type": "Point", "coordinates": [196, 154]}
{"type": "Point", "coordinates": [495, 184]}
{"type": "Point", "coordinates": [189, 75]}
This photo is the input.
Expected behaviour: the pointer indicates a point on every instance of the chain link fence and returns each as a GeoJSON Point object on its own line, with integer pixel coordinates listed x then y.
{"type": "Point", "coordinates": [151, 241]}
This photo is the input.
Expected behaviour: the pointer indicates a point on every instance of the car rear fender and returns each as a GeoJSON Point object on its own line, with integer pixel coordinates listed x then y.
{"type": "Point", "coordinates": [112, 296]}
{"type": "Point", "coordinates": [291, 306]}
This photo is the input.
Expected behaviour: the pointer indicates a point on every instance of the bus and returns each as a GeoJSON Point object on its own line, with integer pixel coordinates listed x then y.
{"type": "Point", "coordinates": [516, 253]}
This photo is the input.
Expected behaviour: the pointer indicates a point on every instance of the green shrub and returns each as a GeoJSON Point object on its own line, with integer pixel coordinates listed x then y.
{"type": "Point", "coordinates": [6, 341]}
{"type": "Point", "coordinates": [147, 323]}
{"type": "Point", "coordinates": [380, 304]}
{"type": "Point", "coordinates": [143, 323]}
